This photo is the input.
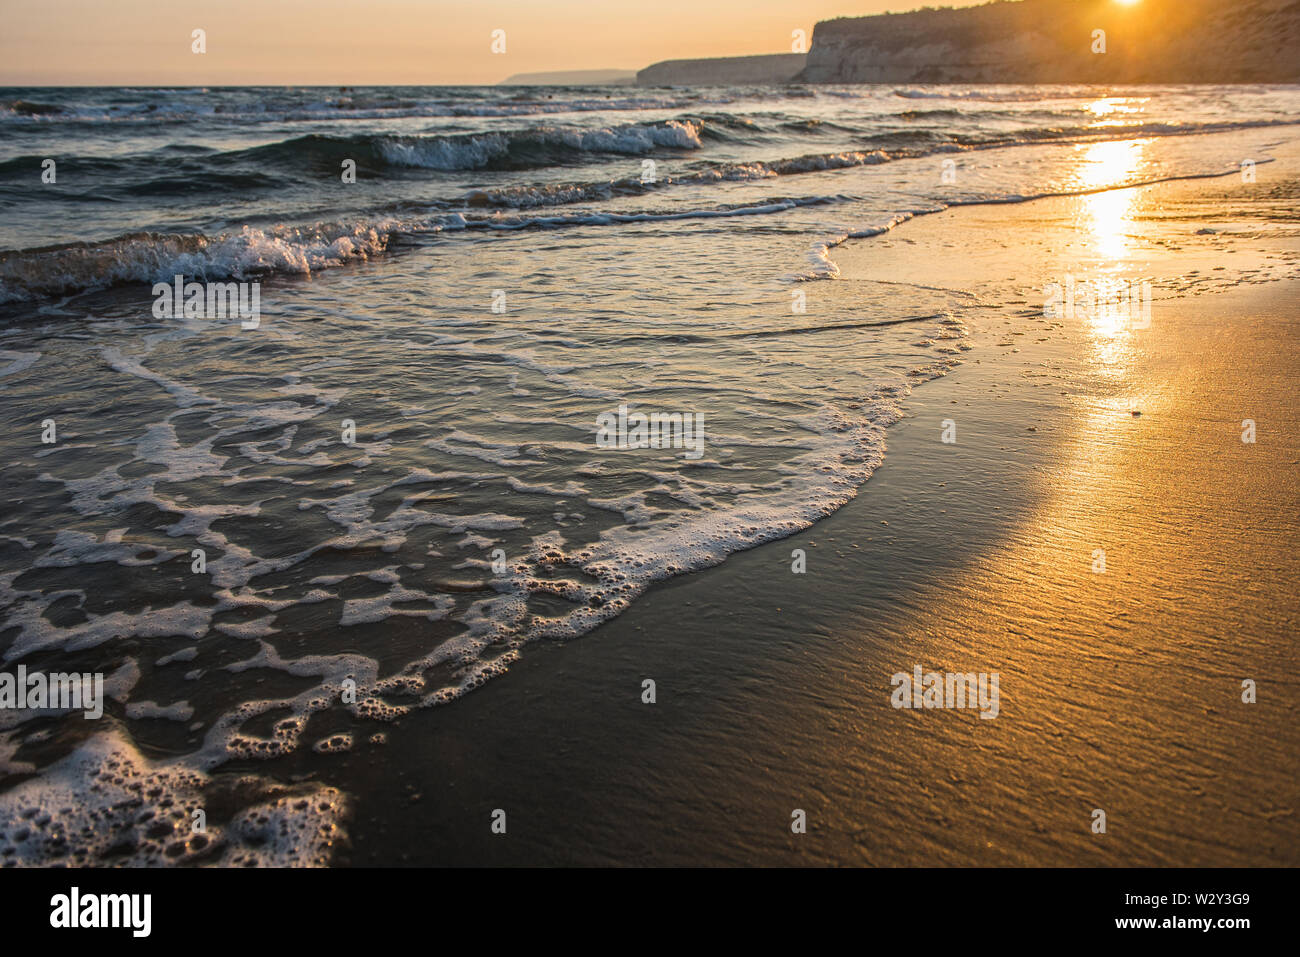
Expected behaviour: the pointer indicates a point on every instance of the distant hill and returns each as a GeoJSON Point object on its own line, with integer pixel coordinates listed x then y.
{"type": "Point", "coordinates": [769, 68]}
{"type": "Point", "coordinates": [1051, 41]}
{"type": "Point", "coordinates": [572, 78]}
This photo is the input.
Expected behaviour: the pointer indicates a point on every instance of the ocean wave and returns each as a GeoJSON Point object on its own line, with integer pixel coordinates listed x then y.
{"type": "Point", "coordinates": [177, 169]}
{"type": "Point", "coordinates": [1026, 95]}
{"type": "Point", "coordinates": [29, 108]}
{"type": "Point", "coordinates": [506, 150]}
{"type": "Point", "coordinates": [32, 274]}
{"type": "Point", "coordinates": [559, 194]}
{"type": "Point", "coordinates": [342, 107]}
{"type": "Point", "coordinates": [890, 146]}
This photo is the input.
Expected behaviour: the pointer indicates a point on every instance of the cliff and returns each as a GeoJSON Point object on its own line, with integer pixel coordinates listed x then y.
{"type": "Point", "coordinates": [572, 78]}
{"type": "Point", "coordinates": [771, 68]}
{"type": "Point", "coordinates": [1051, 41]}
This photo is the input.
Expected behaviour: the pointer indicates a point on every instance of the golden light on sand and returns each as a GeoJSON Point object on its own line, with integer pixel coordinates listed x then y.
{"type": "Point", "coordinates": [1110, 221]}
{"type": "Point", "coordinates": [1112, 313]}
{"type": "Point", "coordinates": [1111, 303]}
{"type": "Point", "coordinates": [1102, 165]}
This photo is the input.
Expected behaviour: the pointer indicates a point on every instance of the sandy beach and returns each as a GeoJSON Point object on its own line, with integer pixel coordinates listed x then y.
{"type": "Point", "coordinates": [965, 536]}
{"type": "Point", "coordinates": [1120, 690]}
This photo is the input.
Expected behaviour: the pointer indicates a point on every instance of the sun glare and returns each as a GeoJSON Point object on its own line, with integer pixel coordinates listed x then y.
{"type": "Point", "coordinates": [1102, 165]}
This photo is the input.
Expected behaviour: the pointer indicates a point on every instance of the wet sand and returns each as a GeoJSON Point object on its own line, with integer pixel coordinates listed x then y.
{"type": "Point", "coordinates": [1119, 690]}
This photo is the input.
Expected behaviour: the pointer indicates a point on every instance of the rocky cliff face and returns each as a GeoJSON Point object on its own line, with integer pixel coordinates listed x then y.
{"type": "Point", "coordinates": [1054, 41]}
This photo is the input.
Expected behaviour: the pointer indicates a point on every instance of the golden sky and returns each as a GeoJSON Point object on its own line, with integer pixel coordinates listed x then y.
{"type": "Point", "coordinates": [337, 42]}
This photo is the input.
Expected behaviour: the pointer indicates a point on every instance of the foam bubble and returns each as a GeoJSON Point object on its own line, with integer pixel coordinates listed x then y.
{"type": "Point", "coordinates": [105, 803]}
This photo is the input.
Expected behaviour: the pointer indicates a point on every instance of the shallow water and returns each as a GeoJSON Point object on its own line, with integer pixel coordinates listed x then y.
{"type": "Point", "coordinates": [394, 479]}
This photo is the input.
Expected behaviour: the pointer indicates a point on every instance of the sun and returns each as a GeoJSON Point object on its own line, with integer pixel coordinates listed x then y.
{"type": "Point", "coordinates": [1127, 3]}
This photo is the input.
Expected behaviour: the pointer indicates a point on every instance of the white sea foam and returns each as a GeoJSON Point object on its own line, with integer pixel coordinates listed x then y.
{"type": "Point", "coordinates": [105, 803]}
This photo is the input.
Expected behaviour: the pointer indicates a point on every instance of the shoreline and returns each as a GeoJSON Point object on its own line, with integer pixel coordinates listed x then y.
{"type": "Point", "coordinates": [773, 669]}
{"type": "Point", "coordinates": [773, 688]}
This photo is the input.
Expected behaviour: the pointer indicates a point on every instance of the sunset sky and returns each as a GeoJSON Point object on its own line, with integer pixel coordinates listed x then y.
{"type": "Point", "coordinates": [330, 42]}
